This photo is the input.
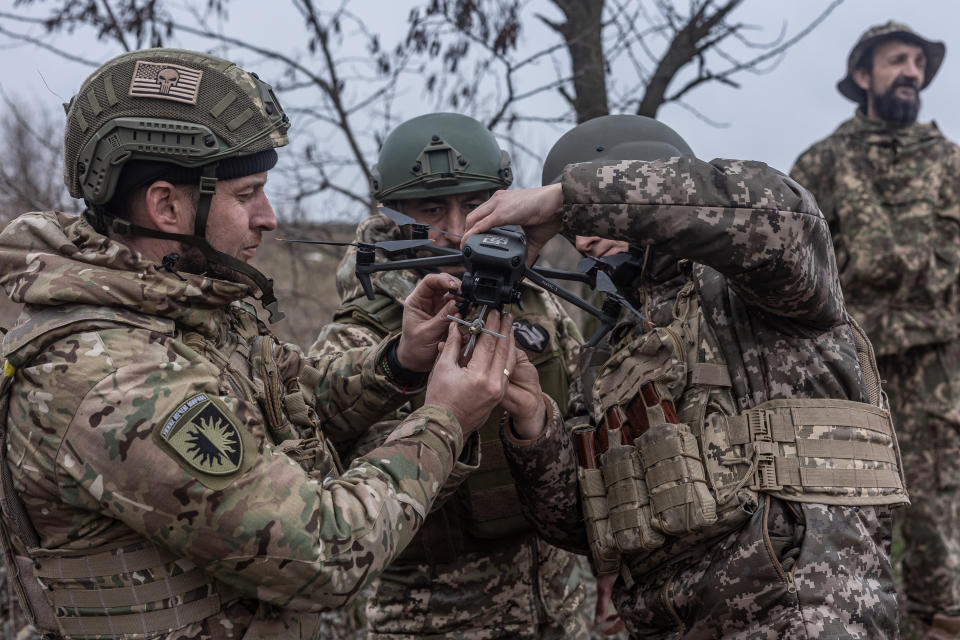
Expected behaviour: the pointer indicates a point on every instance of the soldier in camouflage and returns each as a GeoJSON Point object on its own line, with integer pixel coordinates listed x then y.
{"type": "Point", "coordinates": [166, 470]}
{"type": "Point", "coordinates": [888, 188]}
{"type": "Point", "coordinates": [750, 470]}
{"type": "Point", "coordinates": [476, 570]}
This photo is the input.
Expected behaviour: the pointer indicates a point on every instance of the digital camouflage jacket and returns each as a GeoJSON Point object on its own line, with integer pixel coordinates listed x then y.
{"type": "Point", "coordinates": [151, 410]}
{"type": "Point", "coordinates": [891, 196]}
{"type": "Point", "coordinates": [753, 249]}
{"type": "Point", "coordinates": [476, 553]}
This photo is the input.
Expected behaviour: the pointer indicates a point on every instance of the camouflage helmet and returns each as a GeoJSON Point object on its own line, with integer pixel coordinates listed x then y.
{"type": "Point", "coordinates": [192, 116]}
{"type": "Point", "coordinates": [934, 52]}
{"type": "Point", "coordinates": [165, 105]}
{"type": "Point", "coordinates": [616, 137]}
{"type": "Point", "coordinates": [439, 154]}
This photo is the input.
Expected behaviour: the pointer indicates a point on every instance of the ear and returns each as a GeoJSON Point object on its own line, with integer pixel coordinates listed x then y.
{"type": "Point", "coordinates": [861, 77]}
{"type": "Point", "coordinates": [168, 208]}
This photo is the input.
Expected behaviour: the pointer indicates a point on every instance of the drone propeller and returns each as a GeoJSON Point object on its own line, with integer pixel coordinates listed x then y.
{"type": "Point", "coordinates": [402, 219]}
{"type": "Point", "coordinates": [605, 285]}
{"type": "Point", "coordinates": [390, 246]}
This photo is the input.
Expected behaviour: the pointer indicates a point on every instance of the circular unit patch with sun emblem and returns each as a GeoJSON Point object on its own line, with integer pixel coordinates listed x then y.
{"type": "Point", "coordinates": [205, 434]}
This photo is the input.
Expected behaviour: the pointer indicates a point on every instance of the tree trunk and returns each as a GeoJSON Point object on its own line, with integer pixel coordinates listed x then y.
{"type": "Point", "coordinates": [582, 33]}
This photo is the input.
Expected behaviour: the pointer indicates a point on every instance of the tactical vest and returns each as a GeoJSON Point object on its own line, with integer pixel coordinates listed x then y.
{"type": "Point", "coordinates": [684, 467]}
{"type": "Point", "coordinates": [133, 587]}
{"type": "Point", "coordinates": [486, 507]}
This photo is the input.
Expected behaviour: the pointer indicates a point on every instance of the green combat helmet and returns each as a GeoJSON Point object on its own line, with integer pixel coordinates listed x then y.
{"type": "Point", "coordinates": [439, 154]}
{"type": "Point", "coordinates": [934, 51]}
{"type": "Point", "coordinates": [176, 115]}
{"type": "Point", "coordinates": [616, 137]}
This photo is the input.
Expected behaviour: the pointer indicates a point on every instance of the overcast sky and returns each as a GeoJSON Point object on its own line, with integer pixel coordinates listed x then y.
{"type": "Point", "coordinates": [772, 118]}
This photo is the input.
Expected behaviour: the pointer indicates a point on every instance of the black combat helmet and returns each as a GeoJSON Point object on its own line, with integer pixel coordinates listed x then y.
{"type": "Point", "coordinates": [439, 154]}
{"type": "Point", "coordinates": [616, 137]}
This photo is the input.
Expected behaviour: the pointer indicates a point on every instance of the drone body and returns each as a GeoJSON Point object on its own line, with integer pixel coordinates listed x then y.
{"type": "Point", "coordinates": [495, 264]}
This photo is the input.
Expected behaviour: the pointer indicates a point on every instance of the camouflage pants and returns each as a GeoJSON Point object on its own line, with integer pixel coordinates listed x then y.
{"type": "Point", "coordinates": [924, 389]}
{"type": "Point", "coordinates": [525, 588]}
{"type": "Point", "coordinates": [793, 571]}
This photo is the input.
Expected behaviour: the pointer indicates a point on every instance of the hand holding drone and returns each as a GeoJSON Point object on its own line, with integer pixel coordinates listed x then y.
{"type": "Point", "coordinates": [495, 263]}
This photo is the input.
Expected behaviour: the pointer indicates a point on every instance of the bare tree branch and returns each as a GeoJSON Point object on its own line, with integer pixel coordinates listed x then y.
{"type": "Point", "coordinates": [115, 25]}
{"type": "Point", "coordinates": [48, 47]}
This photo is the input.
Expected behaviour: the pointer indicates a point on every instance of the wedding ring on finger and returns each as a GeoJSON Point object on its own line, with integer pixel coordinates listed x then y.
{"type": "Point", "coordinates": [506, 372]}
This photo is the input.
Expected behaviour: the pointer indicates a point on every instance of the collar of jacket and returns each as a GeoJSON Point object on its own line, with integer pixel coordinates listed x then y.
{"type": "Point", "coordinates": [860, 125]}
{"type": "Point", "coordinates": [52, 259]}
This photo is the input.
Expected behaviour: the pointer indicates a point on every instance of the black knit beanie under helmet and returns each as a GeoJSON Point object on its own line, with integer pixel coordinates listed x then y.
{"type": "Point", "coordinates": [138, 173]}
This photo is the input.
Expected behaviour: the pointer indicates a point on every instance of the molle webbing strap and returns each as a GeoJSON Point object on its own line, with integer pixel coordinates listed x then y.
{"type": "Point", "coordinates": [791, 474]}
{"type": "Point", "coordinates": [676, 496]}
{"type": "Point", "coordinates": [124, 596]}
{"type": "Point", "coordinates": [112, 99]}
{"type": "Point", "coordinates": [118, 562]}
{"type": "Point", "coordinates": [781, 417]}
{"type": "Point", "coordinates": [668, 470]}
{"type": "Point", "coordinates": [655, 452]}
{"type": "Point", "coordinates": [146, 623]}
{"type": "Point", "coordinates": [627, 520]}
{"type": "Point", "coordinates": [103, 564]}
{"type": "Point", "coordinates": [710, 374]}
{"type": "Point", "coordinates": [785, 422]}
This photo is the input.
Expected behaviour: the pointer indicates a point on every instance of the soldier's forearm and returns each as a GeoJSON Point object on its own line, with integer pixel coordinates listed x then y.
{"type": "Point", "coordinates": [312, 545]}
{"type": "Point", "coordinates": [354, 390]}
{"type": "Point", "coordinates": [743, 219]}
{"type": "Point", "coordinates": [545, 473]}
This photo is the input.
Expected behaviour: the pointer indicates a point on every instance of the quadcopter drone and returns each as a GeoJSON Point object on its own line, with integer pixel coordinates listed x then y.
{"type": "Point", "coordinates": [495, 263]}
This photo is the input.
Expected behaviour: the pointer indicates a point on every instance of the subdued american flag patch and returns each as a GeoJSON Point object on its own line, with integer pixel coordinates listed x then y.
{"type": "Point", "coordinates": [166, 81]}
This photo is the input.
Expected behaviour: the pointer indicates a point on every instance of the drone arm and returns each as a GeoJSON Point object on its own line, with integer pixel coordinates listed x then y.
{"type": "Point", "coordinates": [536, 278]}
{"type": "Point", "coordinates": [558, 274]}
{"type": "Point", "coordinates": [412, 263]}
{"type": "Point", "coordinates": [442, 251]}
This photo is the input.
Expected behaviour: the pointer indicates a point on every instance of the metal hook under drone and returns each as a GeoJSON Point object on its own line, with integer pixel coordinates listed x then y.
{"type": "Point", "coordinates": [475, 328]}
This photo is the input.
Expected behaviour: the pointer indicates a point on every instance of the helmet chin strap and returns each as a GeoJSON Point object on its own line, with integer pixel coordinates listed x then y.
{"type": "Point", "coordinates": [208, 186]}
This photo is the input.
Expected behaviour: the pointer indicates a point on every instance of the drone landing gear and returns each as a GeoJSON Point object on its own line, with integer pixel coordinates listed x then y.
{"type": "Point", "coordinates": [474, 329]}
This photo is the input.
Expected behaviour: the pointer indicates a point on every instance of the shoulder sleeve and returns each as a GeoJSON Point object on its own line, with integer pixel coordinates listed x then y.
{"type": "Point", "coordinates": [348, 389]}
{"type": "Point", "coordinates": [180, 460]}
{"type": "Point", "coordinates": [815, 171]}
{"type": "Point", "coordinates": [753, 224]}
{"type": "Point", "coordinates": [361, 429]}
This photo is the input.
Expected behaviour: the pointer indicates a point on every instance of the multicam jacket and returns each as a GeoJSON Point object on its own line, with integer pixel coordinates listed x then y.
{"type": "Point", "coordinates": [891, 196]}
{"type": "Point", "coordinates": [151, 411]}
{"type": "Point", "coordinates": [521, 582]}
{"type": "Point", "coordinates": [748, 248]}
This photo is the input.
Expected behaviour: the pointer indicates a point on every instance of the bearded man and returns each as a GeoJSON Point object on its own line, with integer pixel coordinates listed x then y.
{"type": "Point", "coordinates": [887, 186]}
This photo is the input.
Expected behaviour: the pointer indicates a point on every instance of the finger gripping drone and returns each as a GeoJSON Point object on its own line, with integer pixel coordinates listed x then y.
{"type": "Point", "coordinates": [495, 263]}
